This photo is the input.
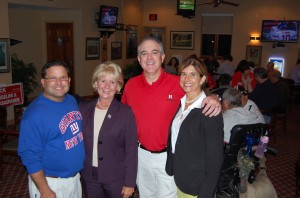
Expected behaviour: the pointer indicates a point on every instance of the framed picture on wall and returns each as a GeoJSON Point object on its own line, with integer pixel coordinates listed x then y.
{"type": "Point", "coordinates": [116, 50]}
{"type": "Point", "coordinates": [253, 53]}
{"type": "Point", "coordinates": [182, 40]}
{"type": "Point", "coordinates": [156, 32]}
{"type": "Point", "coordinates": [92, 50]}
{"type": "Point", "coordinates": [4, 55]}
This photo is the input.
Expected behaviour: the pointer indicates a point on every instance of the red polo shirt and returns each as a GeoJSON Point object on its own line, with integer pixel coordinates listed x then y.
{"type": "Point", "coordinates": [154, 106]}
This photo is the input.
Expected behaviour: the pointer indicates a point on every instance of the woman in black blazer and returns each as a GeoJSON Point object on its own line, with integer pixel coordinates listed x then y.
{"type": "Point", "coordinates": [110, 138]}
{"type": "Point", "coordinates": [195, 142]}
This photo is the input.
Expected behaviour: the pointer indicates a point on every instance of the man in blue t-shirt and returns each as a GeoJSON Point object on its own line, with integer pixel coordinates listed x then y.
{"type": "Point", "coordinates": [51, 142]}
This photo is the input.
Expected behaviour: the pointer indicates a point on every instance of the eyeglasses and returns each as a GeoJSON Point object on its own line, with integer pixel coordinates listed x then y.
{"type": "Point", "coordinates": [55, 79]}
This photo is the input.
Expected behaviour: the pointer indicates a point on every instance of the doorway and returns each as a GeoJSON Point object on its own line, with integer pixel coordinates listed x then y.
{"type": "Point", "coordinates": [60, 47]}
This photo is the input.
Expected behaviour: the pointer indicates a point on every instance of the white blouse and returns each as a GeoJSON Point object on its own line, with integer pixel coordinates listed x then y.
{"type": "Point", "coordinates": [181, 115]}
{"type": "Point", "coordinates": [98, 121]}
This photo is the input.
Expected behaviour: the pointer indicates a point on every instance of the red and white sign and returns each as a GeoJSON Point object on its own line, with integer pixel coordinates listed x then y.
{"type": "Point", "coordinates": [11, 95]}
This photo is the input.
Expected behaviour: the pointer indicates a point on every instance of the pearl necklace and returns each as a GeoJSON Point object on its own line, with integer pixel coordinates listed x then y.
{"type": "Point", "coordinates": [193, 100]}
{"type": "Point", "coordinates": [100, 105]}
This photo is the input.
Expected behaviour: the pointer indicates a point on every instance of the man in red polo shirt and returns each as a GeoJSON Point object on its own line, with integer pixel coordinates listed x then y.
{"type": "Point", "coordinates": [154, 97]}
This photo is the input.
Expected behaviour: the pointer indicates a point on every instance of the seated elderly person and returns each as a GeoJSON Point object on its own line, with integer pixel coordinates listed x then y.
{"type": "Point", "coordinates": [249, 104]}
{"type": "Point", "coordinates": [234, 113]}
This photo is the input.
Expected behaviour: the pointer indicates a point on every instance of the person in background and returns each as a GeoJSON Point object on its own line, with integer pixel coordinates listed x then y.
{"type": "Point", "coordinates": [264, 94]}
{"type": "Point", "coordinates": [249, 104]}
{"type": "Point", "coordinates": [154, 97]}
{"type": "Point", "coordinates": [226, 66]}
{"type": "Point", "coordinates": [212, 66]}
{"type": "Point", "coordinates": [172, 66]}
{"type": "Point", "coordinates": [295, 73]}
{"type": "Point", "coordinates": [51, 143]}
{"type": "Point", "coordinates": [195, 141]}
{"type": "Point", "coordinates": [211, 83]}
{"type": "Point", "coordinates": [283, 91]}
{"type": "Point", "coordinates": [270, 69]}
{"type": "Point", "coordinates": [234, 113]}
{"type": "Point", "coordinates": [252, 65]}
{"type": "Point", "coordinates": [244, 78]}
{"type": "Point", "coordinates": [109, 129]}
{"type": "Point", "coordinates": [241, 63]}
{"type": "Point", "coordinates": [224, 83]}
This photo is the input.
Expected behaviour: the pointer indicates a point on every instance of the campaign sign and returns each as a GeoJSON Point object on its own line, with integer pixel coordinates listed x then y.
{"type": "Point", "coordinates": [11, 95]}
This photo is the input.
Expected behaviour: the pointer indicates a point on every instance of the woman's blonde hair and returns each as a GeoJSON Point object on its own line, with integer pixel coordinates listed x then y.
{"type": "Point", "coordinates": [108, 68]}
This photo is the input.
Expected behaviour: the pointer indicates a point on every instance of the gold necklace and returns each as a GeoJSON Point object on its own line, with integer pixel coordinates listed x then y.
{"type": "Point", "coordinates": [100, 105]}
{"type": "Point", "coordinates": [193, 100]}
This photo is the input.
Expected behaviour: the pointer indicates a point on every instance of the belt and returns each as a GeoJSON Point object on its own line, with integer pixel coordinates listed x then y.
{"type": "Point", "coordinates": [60, 177]}
{"type": "Point", "coordinates": [161, 151]}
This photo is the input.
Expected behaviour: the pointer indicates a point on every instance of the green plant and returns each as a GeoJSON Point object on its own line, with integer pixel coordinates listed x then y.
{"type": "Point", "coordinates": [24, 73]}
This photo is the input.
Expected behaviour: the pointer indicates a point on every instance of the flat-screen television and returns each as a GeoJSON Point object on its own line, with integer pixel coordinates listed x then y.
{"type": "Point", "coordinates": [108, 16]}
{"type": "Point", "coordinates": [186, 8]}
{"type": "Point", "coordinates": [280, 31]}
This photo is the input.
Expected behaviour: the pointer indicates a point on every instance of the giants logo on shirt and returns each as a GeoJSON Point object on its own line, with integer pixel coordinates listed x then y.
{"type": "Point", "coordinates": [68, 119]}
{"type": "Point", "coordinates": [74, 128]}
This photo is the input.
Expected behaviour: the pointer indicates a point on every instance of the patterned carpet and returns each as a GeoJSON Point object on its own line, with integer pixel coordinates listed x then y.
{"type": "Point", "coordinates": [14, 180]}
{"type": "Point", "coordinates": [280, 168]}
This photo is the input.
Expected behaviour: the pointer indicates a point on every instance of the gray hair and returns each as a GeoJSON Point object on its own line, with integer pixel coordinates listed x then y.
{"type": "Point", "coordinates": [233, 97]}
{"type": "Point", "coordinates": [149, 38]}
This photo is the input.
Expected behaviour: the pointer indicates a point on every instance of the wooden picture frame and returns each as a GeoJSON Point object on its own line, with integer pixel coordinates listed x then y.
{"type": "Point", "coordinates": [116, 50]}
{"type": "Point", "coordinates": [4, 55]}
{"type": "Point", "coordinates": [183, 40]}
{"type": "Point", "coordinates": [253, 54]}
{"type": "Point", "coordinates": [92, 50]}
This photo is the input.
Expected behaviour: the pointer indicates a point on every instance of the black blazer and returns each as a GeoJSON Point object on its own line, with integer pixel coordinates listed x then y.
{"type": "Point", "coordinates": [117, 143]}
{"type": "Point", "coordinates": [198, 156]}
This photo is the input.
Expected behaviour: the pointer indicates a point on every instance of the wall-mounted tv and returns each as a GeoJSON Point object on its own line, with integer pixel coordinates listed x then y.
{"type": "Point", "coordinates": [280, 31]}
{"type": "Point", "coordinates": [186, 8]}
{"type": "Point", "coordinates": [108, 16]}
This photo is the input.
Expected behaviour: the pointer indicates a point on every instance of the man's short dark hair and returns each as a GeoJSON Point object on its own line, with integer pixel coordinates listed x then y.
{"type": "Point", "coordinates": [261, 72]}
{"type": "Point", "coordinates": [224, 79]}
{"type": "Point", "coordinates": [54, 63]}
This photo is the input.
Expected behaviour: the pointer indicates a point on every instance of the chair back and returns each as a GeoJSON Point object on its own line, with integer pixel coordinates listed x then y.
{"type": "Point", "coordinates": [238, 141]}
{"type": "Point", "coordinates": [229, 176]}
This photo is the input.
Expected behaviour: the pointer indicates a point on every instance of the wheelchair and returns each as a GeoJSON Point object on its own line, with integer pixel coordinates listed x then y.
{"type": "Point", "coordinates": [241, 136]}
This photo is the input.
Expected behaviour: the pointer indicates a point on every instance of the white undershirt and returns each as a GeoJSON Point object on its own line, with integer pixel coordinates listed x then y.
{"type": "Point", "coordinates": [98, 121]}
{"type": "Point", "coordinates": [181, 115]}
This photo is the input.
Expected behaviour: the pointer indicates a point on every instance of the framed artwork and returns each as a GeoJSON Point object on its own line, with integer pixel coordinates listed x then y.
{"type": "Point", "coordinates": [92, 48]}
{"type": "Point", "coordinates": [116, 50]}
{"type": "Point", "coordinates": [4, 55]}
{"type": "Point", "coordinates": [156, 32]}
{"type": "Point", "coordinates": [131, 41]}
{"type": "Point", "coordinates": [253, 53]}
{"type": "Point", "coordinates": [183, 40]}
